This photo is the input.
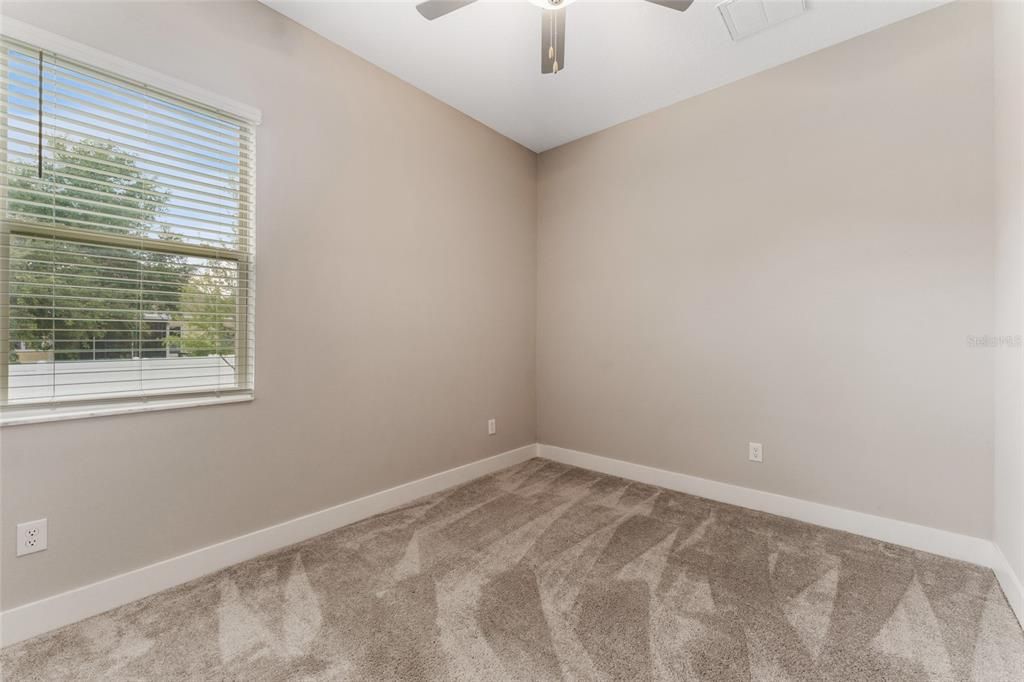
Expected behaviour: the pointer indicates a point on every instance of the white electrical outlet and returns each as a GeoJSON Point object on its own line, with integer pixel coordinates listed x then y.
{"type": "Point", "coordinates": [756, 452]}
{"type": "Point", "coordinates": [31, 537]}
{"type": "Point", "coordinates": [492, 427]}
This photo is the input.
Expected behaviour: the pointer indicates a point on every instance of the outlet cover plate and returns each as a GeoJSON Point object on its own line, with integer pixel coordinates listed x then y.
{"type": "Point", "coordinates": [756, 452]}
{"type": "Point", "coordinates": [31, 537]}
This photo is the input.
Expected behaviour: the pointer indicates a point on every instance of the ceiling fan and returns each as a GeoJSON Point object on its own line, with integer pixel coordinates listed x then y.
{"type": "Point", "coordinates": [552, 27]}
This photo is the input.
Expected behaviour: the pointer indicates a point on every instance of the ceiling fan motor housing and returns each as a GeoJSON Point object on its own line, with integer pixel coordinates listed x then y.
{"type": "Point", "coordinates": [551, 4]}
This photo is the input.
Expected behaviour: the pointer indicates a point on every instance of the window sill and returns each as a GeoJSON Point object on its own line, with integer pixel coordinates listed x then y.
{"type": "Point", "coordinates": [53, 413]}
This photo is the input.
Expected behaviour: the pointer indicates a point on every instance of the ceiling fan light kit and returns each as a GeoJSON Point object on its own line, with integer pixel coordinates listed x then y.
{"type": "Point", "coordinates": [552, 26]}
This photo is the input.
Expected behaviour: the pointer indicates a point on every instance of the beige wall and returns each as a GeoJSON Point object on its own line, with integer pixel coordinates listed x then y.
{"type": "Point", "coordinates": [795, 259]}
{"type": "Point", "coordinates": [396, 252]}
{"type": "Point", "coordinates": [1008, 530]}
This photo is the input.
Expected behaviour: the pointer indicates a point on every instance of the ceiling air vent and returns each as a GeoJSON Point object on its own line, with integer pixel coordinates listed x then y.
{"type": "Point", "coordinates": [746, 17]}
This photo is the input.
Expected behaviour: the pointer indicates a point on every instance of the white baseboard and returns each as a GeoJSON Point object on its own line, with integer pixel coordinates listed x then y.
{"type": "Point", "coordinates": [964, 547]}
{"type": "Point", "coordinates": [32, 619]}
{"type": "Point", "coordinates": [47, 614]}
{"type": "Point", "coordinates": [1010, 583]}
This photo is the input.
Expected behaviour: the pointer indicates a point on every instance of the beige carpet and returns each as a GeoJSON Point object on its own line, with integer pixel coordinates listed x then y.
{"type": "Point", "coordinates": [544, 571]}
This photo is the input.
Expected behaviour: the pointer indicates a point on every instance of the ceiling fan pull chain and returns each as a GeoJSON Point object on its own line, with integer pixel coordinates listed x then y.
{"type": "Point", "coordinates": [551, 36]}
{"type": "Point", "coordinates": [554, 40]}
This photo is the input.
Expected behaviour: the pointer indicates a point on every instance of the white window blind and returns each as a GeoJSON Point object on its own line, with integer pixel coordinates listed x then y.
{"type": "Point", "coordinates": [126, 240]}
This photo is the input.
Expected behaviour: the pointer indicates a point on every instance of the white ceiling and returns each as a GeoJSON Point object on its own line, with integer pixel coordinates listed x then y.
{"type": "Point", "coordinates": [623, 59]}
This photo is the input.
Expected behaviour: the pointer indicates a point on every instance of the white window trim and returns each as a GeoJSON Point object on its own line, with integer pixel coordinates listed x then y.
{"type": "Point", "coordinates": [53, 412]}
{"type": "Point", "coordinates": [33, 35]}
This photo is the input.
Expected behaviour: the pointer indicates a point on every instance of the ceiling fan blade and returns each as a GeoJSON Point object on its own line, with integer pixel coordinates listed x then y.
{"type": "Point", "coordinates": [680, 5]}
{"type": "Point", "coordinates": [432, 9]}
{"type": "Point", "coordinates": [552, 41]}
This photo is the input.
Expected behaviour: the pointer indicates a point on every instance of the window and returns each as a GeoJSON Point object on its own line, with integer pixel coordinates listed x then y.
{"type": "Point", "coordinates": [126, 242]}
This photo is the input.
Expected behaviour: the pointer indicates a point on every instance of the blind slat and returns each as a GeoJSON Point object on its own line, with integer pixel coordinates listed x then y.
{"type": "Point", "coordinates": [24, 61]}
{"type": "Point", "coordinates": [153, 164]}
{"type": "Point", "coordinates": [221, 189]}
{"type": "Point", "coordinates": [66, 98]}
{"type": "Point", "coordinates": [98, 201]}
{"type": "Point", "coordinates": [195, 235]}
{"type": "Point", "coordinates": [93, 185]}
